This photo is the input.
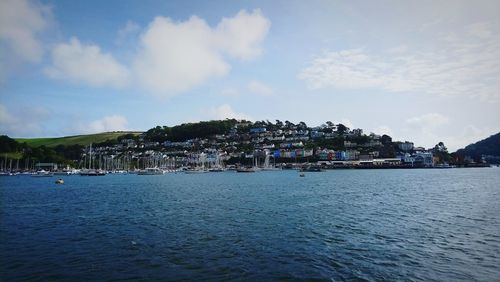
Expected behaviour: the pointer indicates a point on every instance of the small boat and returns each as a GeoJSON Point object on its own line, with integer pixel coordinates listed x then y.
{"type": "Point", "coordinates": [302, 174]}
{"type": "Point", "coordinates": [444, 165]}
{"type": "Point", "coordinates": [311, 169]}
{"type": "Point", "coordinates": [216, 169]}
{"type": "Point", "coordinates": [92, 172]}
{"type": "Point", "coordinates": [195, 171]}
{"type": "Point", "coordinates": [151, 171]}
{"type": "Point", "coordinates": [270, 168]}
{"type": "Point", "coordinates": [42, 173]}
{"type": "Point", "coordinates": [59, 181]}
{"type": "Point", "coordinates": [245, 169]}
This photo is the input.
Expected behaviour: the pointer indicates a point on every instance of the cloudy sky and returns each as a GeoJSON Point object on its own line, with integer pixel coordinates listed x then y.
{"type": "Point", "coordinates": [425, 71]}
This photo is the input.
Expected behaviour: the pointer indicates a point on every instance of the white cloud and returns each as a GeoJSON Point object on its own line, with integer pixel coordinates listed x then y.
{"type": "Point", "coordinates": [241, 35]}
{"type": "Point", "coordinates": [81, 63]}
{"type": "Point", "coordinates": [383, 129]}
{"type": "Point", "coordinates": [398, 49]}
{"type": "Point", "coordinates": [470, 134]}
{"type": "Point", "coordinates": [346, 122]}
{"type": "Point", "coordinates": [481, 30]}
{"type": "Point", "coordinates": [177, 56]}
{"type": "Point", "coordinates": [225, 111]}
{"type": "Point", "coordinates": [106, 124]}
{"type": "Point", "coordinates": [21, 21]}
{"type": "Point", "coordinates": [430, 120]}
{"type": "Point", "coordinates": [467, 64]}
{"type": "Point", "coordinates": [426, 130]}
{"type": "Point", "coordinates": [28, 124]}
{"type": "Point", "coordinates": [260, 88]}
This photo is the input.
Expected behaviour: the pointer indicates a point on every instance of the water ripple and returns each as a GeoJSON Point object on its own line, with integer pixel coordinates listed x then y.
{"type": "Point", "coordinates": [346, 225]}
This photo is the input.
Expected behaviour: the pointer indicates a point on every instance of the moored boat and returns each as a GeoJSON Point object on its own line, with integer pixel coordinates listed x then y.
{"type": "Point", "coordinates": [245, 169]}
{"type": "Point", "coordinates": [42, 173]}
{"type": "Point", "coordinates": [151, 171]}
{"type": "Point", "coordinates": [311, 169]}
{"type": "Point", "coordinates": [92, 172]}
{"type": "Point", "coordinates": [195, 171]}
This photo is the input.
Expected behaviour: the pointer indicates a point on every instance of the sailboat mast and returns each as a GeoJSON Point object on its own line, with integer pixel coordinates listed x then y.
{"type": "Point", "coordinates": [90, 156]}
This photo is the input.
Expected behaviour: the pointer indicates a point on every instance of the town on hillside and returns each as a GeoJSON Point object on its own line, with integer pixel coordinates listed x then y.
{"type": "Point", "coordinates": [238, 144]}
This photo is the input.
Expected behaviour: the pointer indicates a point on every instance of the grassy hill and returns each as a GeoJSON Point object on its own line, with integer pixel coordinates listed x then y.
{"type": "Point", "coordinates": [77, 139]}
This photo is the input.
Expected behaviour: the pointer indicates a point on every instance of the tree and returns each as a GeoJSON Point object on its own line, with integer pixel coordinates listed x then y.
{"type": "Point", "coordinates": [441, 152]}
{"type": "Point", "coordinates": [440, 147]}
{"type": "Point", "coordinates": [302, 125]}
{"type": "Point", "coordinates": [386, 139]}
{"type": "Point", "coordinates": [279, 124]}
{"type": "Point", "coordinates": [341, 129]}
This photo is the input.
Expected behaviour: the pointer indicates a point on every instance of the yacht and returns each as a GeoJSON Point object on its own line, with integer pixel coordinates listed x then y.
{"type": "Point", "coordinates": [92, 172]}
{"type": "Point", "coordinates": [151, 171]}
{"type": "Point", "coordinates": [245, 169]}
{"type": "Point", "coordinates": [42, 173]}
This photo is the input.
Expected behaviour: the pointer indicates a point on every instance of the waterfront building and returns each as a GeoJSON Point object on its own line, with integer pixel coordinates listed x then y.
{"type": "Point", "coordinates": [406, 146]}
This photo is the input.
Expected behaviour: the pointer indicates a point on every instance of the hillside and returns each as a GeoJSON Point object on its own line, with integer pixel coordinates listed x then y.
{"type": "Point", "coordinates": [75, 140]}
{"type": "Point", "coordinates": [489, 146]}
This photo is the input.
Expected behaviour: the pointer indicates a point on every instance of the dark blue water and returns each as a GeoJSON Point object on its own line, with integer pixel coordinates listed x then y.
{"type": "Point", "coordinates": [419, 225]}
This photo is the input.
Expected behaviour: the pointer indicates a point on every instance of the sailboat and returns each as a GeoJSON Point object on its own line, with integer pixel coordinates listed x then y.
{"type": "Point", "coordinates": [217, 166]}
{"type": "Point", "coordinates": [90, 171]}
{"type": "Point", "coordinates": [200, 165]}
{"type": "Point", "coordinates": [151, 171]}
{"type": "Point", "coordinates": [267, 165]}
{"type": "Point", "coordinates": [253, 168]}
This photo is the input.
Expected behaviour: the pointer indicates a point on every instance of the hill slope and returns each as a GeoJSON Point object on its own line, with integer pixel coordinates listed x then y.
{"type": "Point", "coordinates": [73, 140]}
{"type": "Point", "coordinates": [488, 146]}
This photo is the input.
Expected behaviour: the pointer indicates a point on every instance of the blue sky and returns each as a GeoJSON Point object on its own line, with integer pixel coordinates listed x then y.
{"type": "Point", "coordinates": [425, 71]}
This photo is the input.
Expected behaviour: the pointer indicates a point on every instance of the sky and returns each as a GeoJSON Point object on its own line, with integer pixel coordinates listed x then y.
{"type": "Point", "coordinates": [422, 71]}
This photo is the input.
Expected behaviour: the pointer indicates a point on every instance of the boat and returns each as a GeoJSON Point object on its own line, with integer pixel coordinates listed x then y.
{"type": "Point", "coordinates": [217, 165]}
{"type": "Point", "coordinates": [151, 171]}
{"type": "Point", "coordinates": [195, 171]}
{"type": "Point", "coordinates": [42, 173]}
{"type": "Point", "coordinates": [59, 181]}
{"type": "Point", "coordinates": [444, 165]}
{"type": "Point", "coordinates": [270, 169]}
{"type": "Point", "coordinates": [216, 169]}
{"type": "Point", "coordinates": [92, 172]}
{"type": "Point", "coordinates": [268, 166]}
{"type": "Point", "coordinates": [245, 169]}
{"type": "Point", "coordinates": [302, 174]}
{"type": "Point", "coordinates": [311, 169]}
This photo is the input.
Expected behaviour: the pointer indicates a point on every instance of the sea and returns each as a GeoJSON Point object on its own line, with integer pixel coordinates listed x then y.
{"type": "Point", "coordinates": [337, 225]}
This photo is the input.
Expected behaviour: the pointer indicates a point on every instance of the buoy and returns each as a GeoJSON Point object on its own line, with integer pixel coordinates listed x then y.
{"type": "Point", "coordinates": [59, 181]}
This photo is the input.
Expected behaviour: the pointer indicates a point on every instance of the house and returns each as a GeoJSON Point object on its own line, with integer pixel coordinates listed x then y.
{"type": "Point", "coordinates": [423, 158]}
{"type": "Point", "coordinates": [340, 155]}
{"type": "Point", "coordinates": [351, 155]}
{"type": "Point", "coordinates": [258, 130]}
{"type": "Point", "coordinates": [406, 146]}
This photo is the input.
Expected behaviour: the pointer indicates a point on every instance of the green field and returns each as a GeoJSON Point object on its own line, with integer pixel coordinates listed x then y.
{"type": "Point", "coordinates": [77, 139]}
{"type": "Point", "coordinates": [12, 155]}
